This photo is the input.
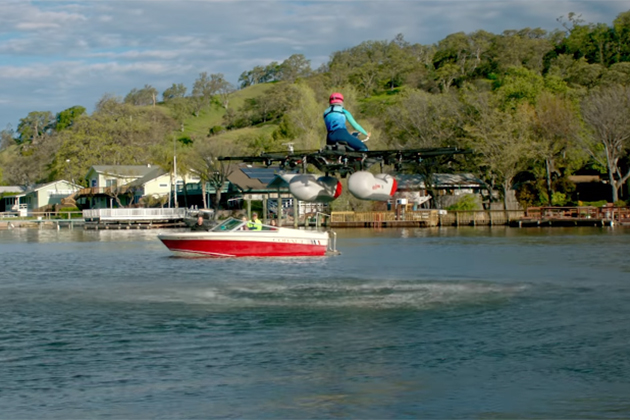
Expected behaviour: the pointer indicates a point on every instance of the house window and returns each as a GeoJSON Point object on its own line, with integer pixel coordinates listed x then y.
{"type": "Point", "coordinates": [94, 183]}
{"type": "Point", "coordinates": [111, 183]}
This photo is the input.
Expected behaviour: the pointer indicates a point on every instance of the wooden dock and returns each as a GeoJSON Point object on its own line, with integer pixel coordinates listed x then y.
{"type": "Point", "coordinates": [573, 216]}
{"type": "Point", "coordinates": [128, 219]}
{"type": "Point", "coordinates": [422, 218]}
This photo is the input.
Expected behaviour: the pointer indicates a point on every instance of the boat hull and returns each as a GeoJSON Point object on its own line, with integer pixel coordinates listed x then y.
{"type": "Point", "coordinates": [236, 244]}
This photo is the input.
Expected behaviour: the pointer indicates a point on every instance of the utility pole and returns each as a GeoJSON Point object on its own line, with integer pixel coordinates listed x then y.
{"type": "Point", "coordinates": [175, 173]}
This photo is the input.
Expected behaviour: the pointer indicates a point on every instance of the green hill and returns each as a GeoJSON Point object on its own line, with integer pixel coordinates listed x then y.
{"type": "Point", "coordinates": [199, 126]}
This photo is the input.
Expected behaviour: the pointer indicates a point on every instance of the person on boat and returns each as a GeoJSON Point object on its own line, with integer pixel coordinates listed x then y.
{"type": "Point", "coordinates": [199, 225]}
{"type": "Point", "coordinates": [335, 118]}
{"type": "Point", "coordinates": [244, 227]}
{"type": "Point", "coordinates": [254, 223]}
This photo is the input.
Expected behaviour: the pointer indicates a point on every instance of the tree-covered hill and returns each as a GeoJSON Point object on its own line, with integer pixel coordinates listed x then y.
{"type": "Point", "coordinates": [536, 107]}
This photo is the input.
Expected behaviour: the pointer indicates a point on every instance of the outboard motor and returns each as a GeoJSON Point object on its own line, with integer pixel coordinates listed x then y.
{"type": "Point", "coordinates": [309, 187]}
{"type": "Point", "coordinates": [367, 186]}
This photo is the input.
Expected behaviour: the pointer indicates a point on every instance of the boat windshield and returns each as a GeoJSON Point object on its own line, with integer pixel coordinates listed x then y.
{"type": "Point", "coordinates": [232, 224]}
{"type": "Point", "coordinates": [228, 225]}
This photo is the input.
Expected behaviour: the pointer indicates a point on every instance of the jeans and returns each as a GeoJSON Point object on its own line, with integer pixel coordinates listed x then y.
{"type": "Point", "coordinates": [344, 136]}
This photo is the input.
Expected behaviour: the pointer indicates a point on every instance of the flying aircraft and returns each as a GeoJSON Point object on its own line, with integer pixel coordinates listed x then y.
{"type": "Point", "coordinates": [340, 159]}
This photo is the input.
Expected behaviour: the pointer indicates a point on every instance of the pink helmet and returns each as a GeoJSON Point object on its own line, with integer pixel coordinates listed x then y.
{"type": "Point", "coordinates": [336, 98]}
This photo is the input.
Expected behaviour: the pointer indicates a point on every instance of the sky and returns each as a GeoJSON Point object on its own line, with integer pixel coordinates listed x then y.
{"type": "Point", "coordinates": [58, 54]}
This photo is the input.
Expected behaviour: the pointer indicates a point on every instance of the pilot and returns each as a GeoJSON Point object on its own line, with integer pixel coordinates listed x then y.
{"type": "Point", "coordinates": [335, 118]}
{"type": "Point", "coordinates": [254, 223]}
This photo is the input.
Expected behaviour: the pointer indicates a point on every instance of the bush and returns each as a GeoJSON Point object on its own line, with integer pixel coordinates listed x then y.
{"type": "Point", "coordinates": [467, 202]}
{"type": "Point", "coordinates": [67, 209]}
{"type": "Point", "coordinates": [559, 199]}
{"type": "Point", "coordinates": [217, 129]}
{"type": "Point", "coordinates": [620, 203]}
{"type": "Point", "coordinates": [599, 203]}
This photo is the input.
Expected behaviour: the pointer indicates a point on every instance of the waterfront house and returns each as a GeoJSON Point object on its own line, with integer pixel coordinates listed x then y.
{"type": "Point", "coordinates": [125, 185]}
{"type": "Point", "coordinates": [104, 176]}
{"type": "Point", "coordinates": [8, 197]}
{"type": "Point", "coordinates": [246, 183]}
{"type": "Point", "coordinates": [155, 184]}
{"type": "Point", "coordinates": [448, 188]}
{"type": "Point", "coordinates": [38, 196]}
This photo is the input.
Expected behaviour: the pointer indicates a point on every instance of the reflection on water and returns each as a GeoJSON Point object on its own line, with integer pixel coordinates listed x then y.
{"type": "Point", "coordinates": [423, 323]}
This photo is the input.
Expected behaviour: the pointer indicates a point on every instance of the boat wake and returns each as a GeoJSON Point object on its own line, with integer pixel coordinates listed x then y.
{"type": "Point", "coordinates": [369, 295]}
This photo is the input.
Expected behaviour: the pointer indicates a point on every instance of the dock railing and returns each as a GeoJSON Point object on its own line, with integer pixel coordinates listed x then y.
{"type": "Point", "coordinates": [44, 215]}
{"type": "Point", "coordinates": [140, 214]}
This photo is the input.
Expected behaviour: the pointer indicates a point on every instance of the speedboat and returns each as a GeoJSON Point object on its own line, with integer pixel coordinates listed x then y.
{"type": "Point", "coordinates": [233, 238]}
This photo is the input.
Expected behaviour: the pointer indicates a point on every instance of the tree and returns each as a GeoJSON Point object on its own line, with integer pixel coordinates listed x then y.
{"type": "Point", "coordinates": [294, 67]}
{"type": "Point", "coordinates": [606, 112]}
{"type": "Point", "coordinates": [260, 109]}
{"type": "Point", "coordinates": [203, 160]}
{"type": "Point", "coordinates": [67, 117]}
{"type": "Point", "coordinates": [142, 97]}
{"type": "Point", "coordinates": [253, 76]}
{"type": "Point", "coordinates": [526, 47]}
{"type": "Point", "coordinates": [115, 134]}
{"type": "Point", "coordinates": [203, 91]}
{"type": "Point", "coordinates": [446, 74]}
{"type": "Point", "coordinates": [583, 73]}
{"type": "Point", "coordinates": [369, 59]}
{"type": "Point", "coordinates": [502, 140]}
{"type": "Point", "coordinates": [397, 63]}
{"type": "Point", "coordinates": [175, 91]}
{"type": "Point", "coordinates": [423, 119]}
{"type": "Point", "coordinates": [302, 121]}
{"type": "Point", "coordinates": [7, 137]}
{"type": "Point", "coordinates": [621, 27]}
{"type": "Point", "coordinates": [519, 85]}
{"type": "Point", "coordinates": [556, 127]}
{"type": "Point", "coordinates": [206, 87]}
{"type": "Point", "coordinates": [29, 166]}
{"type": "Point", "coordinates": [596, 43]}
{"type": "Point", "coordinates": [617, 74]}
{"type": "Point", "coordinates": [271, 73]}
{"type": "Point", "coordinates": [35, 127]}
{"type": "Point", "coordinates": [362, 65]}
{"type": "Point", "coordinates": [224, 89]}
{"type": "Point", "coordinates": [181, 109]}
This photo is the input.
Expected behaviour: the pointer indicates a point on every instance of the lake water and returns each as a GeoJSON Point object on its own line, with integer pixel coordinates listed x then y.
{"type": "Point", "coordinates": [406, 323]}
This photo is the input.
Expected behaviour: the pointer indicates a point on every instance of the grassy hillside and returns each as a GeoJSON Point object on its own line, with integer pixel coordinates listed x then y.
{"type": "Point", "coordinates": [198, 127]}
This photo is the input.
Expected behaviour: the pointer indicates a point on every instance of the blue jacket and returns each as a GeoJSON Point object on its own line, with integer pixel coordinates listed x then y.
{"type": "Point", "coordinates": [335, 118]}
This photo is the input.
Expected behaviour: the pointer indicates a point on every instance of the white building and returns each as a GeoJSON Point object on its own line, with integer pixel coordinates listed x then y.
{"type": "Point", "coordinates": [40, 196]}
{"type": "Point", "coordinates": [104, 181]}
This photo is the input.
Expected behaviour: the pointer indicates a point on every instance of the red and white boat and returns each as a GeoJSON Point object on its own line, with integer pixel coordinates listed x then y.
{"type": "Point", "coordinates": [232, 239]}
